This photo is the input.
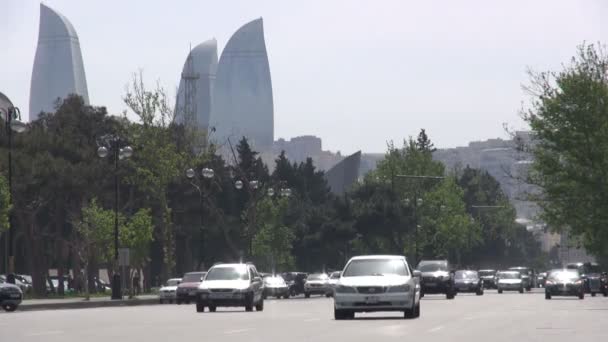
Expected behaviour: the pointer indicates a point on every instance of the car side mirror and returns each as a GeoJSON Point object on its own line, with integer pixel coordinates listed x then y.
{"type": "Point", "coordinates": [417, 274]}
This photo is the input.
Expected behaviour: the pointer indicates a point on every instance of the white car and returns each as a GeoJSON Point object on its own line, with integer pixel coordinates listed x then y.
{"type": "Point", "coordinates": [231, 285]}
{"type": "Point", "coordinates": [510, 281]}
{"type": "Point", "coordinates": [167, 292]}
{"type": "Point", "coordinates": [377, 283]}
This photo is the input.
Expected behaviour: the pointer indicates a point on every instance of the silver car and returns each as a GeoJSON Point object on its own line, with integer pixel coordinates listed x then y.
{"type": "Point", "coordinates": [510, 281]}
{"type": "Point", "coordinates": [167, 293]}
{"type": "Point", "coordinates": [317, 283]}
{"type": "Point", "coordinates": [377, 283]}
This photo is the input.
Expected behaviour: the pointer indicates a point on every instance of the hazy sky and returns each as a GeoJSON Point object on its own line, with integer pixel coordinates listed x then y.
{"type": "Point", "coordinates": [355, 73]}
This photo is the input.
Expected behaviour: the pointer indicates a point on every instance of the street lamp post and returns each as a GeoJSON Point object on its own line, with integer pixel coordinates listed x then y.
{"type": "Point", "coordinates": [207, 173]}
{"type": "Point", "coordinates": [120, 150]}
{"type": "Point", "coordinates": [270, 192]}
{"type": "Point", "coordinates": [12, 118]}
{"type": "Point", "coordinates": [417, 203]}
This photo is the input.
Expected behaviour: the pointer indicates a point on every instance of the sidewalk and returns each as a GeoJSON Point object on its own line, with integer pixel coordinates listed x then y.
{"type": "Point", "coordinates": [81, 303]}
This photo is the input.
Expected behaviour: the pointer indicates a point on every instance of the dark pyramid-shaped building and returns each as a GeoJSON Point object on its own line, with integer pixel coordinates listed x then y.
{"type": "Point", "coordinates": [344, 174]}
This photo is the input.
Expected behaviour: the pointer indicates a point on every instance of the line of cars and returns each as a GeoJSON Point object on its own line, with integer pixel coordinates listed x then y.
{"type": "Point", "coordinates": [285, 285]}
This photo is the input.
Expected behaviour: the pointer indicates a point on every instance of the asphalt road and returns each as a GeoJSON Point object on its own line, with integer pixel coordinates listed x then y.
{"type": "Point", "coordinates": [492, 317]}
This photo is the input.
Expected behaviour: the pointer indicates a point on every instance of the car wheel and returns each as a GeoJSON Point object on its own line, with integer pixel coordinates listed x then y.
{"type": "Point", "coordinates": [547, 295]}
{"type": "Point", "coordinates": [450, 294]}
{"type": "Point", "coordinates": [179, 302]}
{"type": "Point", "coordinates": [581, 295]}
{"type": "Point", "coordinates": [479, 292]}
{"type": "Point", "coordinates": [327, 295]}
{"type": "Point", "coordinates": [339, 314]}
{"type": "Point", "coordinates": [187, 302]}
{"type": "Point", "coordinates": [264, 296]}
{"type": "Point", "coordinates": [9, 307]}
{"type": "Point", "coordinates": [170, 301]}
{"type": "Point", "coordinates": [410, 313]}
{"type": "Point", "coordinates": [521, 290]}
{"type": "Point", "coordinates": [212, 308]}
{"type": "Point", "coordinates": [200, 307]}
{"type": "Point", "coordinates": [307, 295]}
{"type": "Point", "coordinates": [592, 294]}
{"type": "Point", "coordinates": [605, 293]}
{"type": "Point", "coordinates": [499, 291]}
{"type": "Point", "coordinates": [260, 306]}
{"type": "Point", "coordinates": [528, 289]}
{"type": "Point", "coordinates": [160, 301]}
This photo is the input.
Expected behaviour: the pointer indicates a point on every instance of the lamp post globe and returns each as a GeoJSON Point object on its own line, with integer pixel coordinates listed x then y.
{"type": "Point", "coordinates": [286, 192]}
{"type": "Point", "coordinates": [190, 173]}
{"type": "Point", "coordinates": [127, 151]}
{"type": "Point", "coordinates": [271, 192]}
{"type": "Point", "coordinates": [238, 184]}
{"type": "Point", "coordinates": [419, 201]}
{"type": "Point", "coordinates": [207, 172]}
{"type": "Point", "coordinates": [254, 184]}
{"type": "Point", "coordinates": [18, 125]}
{"type": "Point", "coordinates": [102, 152]}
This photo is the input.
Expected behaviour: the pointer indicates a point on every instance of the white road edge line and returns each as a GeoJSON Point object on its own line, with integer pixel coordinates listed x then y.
{"type": "Point", "coordinates": [44, 333]}
{"type": "Point", "coordinates": [236, 331]}
{"type": "Point", "coordinates": [312, 320]}
{"type": "Point", "coordinates": [436, 329]}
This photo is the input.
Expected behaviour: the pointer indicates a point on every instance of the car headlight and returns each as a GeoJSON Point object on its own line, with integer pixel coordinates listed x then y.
{"type": "Point", "coordinates": [578, 282]}
{"type": "Point", "coordinates": [399, 288]}
{"type": "Point", "coordinates": [345, 289]}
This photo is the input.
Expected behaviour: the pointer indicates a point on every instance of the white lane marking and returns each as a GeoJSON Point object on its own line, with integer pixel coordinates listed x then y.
{"type": "Point", "coordinates": [436, 329]}
{"type": "Point", "coordinates": [44, 333]}
{"type": "Point", "coordinates": [312, 320]}
{"type": "Point", "coordinates": [236, 331]}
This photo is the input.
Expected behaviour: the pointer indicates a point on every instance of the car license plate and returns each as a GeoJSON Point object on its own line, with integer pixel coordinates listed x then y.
{"type": "Point", "coordinates": [221, 295]}
{"type": "Point", "coordinates": [192, 293]}
{"type": "Point", "coordinates": [372, 300]}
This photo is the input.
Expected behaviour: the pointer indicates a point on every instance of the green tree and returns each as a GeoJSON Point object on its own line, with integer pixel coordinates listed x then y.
{"type": "Point", "coordinates": [273, 241]}
{"type": "Point", "coordinates": [5, 204]}
{"type": "Point", "coordinates": [569, 121]}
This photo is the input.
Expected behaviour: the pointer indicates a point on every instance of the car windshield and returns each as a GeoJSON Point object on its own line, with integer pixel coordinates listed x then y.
{"type": "Point", "coordinates": [192, 277]}
{"type": "Point", "coordinates": [509, 275]}
{"type": "Point", "coordinates": [228, 273]}
{"type": "Point", "coordinates": [335, 275]}
{"type": "Point", "coordinates": [466, 275]}
{"type": "Point", "coordinates": [486, 273]}
{"type": "Point", "coordinates": [375, 267]}
{"type": "Point", "coordinates": [563, 275]}
{"type": "Point", "coordinates": [432, 266]}
{"type": "Point", "coordinates": [318, 276]}
{"type": "Point", "coordinates": [172, 282]}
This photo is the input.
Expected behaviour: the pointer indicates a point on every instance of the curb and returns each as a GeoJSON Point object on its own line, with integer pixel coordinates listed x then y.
{"type": "Point", "coordinates": [87, 304]}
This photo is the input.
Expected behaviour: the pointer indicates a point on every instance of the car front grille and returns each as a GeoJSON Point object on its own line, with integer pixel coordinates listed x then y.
{"type": "Point", "coordinates": [371, 289]}
{"type": "Point", "coordinates": [430, 279]}
{"type": "Point", "coordinates": [222, 290]}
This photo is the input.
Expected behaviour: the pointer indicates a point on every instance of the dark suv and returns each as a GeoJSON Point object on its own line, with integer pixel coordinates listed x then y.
{"type": "Point", "coordinates": [593, 277]}
{"type": "Point", "coordinates": [436, 277]}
